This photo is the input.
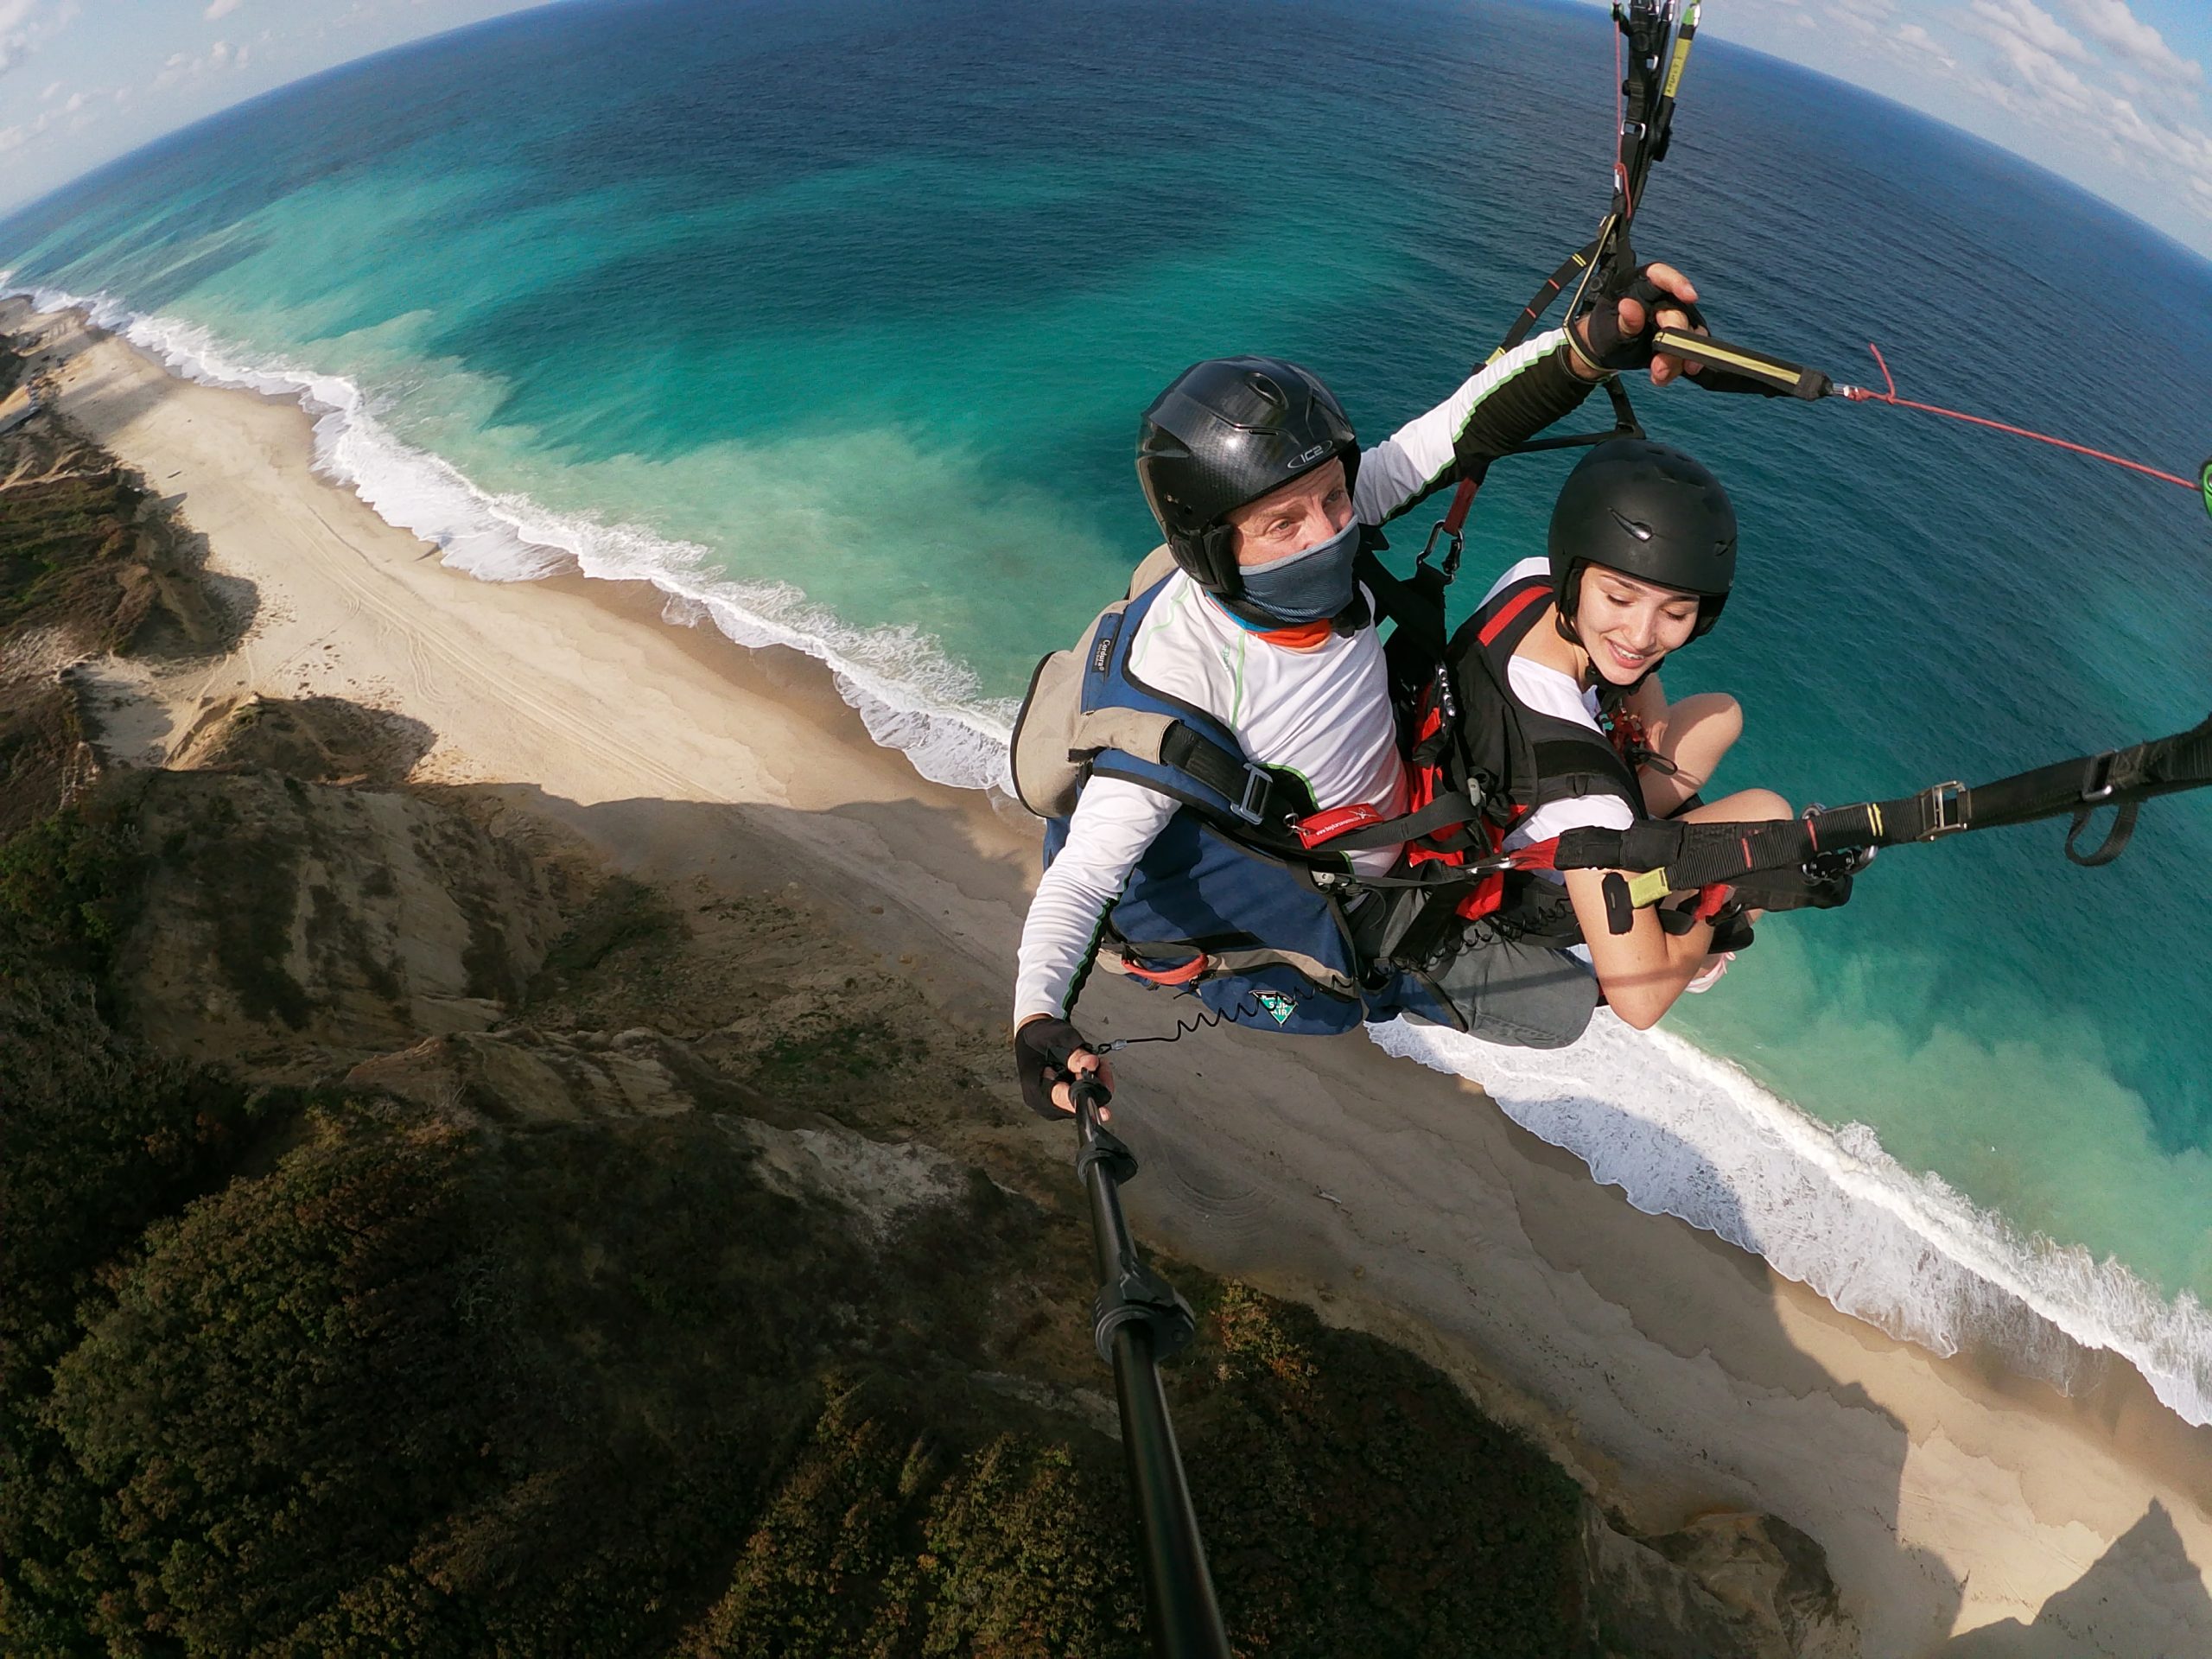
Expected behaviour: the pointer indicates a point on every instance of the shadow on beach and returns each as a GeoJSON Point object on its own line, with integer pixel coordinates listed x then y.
{"type": "Point", "coordinates": [1235, 1165]}
{"type": "Point", "coordinates": [1328, 1196]}
{"type": "Point", "coordinates": [2146, 1578]}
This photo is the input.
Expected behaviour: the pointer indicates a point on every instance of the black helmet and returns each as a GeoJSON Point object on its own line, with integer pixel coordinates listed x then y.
{"type": "Point", "coordinates": [1648, 510]}
{"type": "Point", "coordinates": [1227, 432]}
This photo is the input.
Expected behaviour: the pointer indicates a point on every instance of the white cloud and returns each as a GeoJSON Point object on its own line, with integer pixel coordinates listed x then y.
{"type": "Point", "coordinates": [2114, 112]}
{"type": "Point", "coordinates": [2111, 23]}
{"type": "Point", "coordinates": [1917, 37]}
{"type": "Point", "coordinates": [219, 8]}
{"type": "Point", "coordinates": [181, 67]}
{"type": "Point", "coordinates": [2028, 24]}
{"type": "Point", "coordinates": [1865, 17]}
{"type": "Point", "coordinates": [20, 29]}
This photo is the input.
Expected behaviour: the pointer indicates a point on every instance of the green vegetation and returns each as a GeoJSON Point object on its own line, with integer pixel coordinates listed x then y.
{"type": "Point", "coordinates": [66, 534]}
{"type": "Point", "coordinates": [322, 1372]}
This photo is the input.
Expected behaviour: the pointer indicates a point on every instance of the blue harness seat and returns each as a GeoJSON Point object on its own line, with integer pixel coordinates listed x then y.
{"type": "Point", "coordinates": [1217, 907]}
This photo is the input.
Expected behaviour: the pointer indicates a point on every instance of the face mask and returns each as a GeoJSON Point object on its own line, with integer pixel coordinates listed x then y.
{"type": "Point", "coordinates": [1308, 586]}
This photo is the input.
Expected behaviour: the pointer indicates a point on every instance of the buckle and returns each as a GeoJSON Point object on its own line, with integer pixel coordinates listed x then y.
{"type": "Point", "coordinates": [2098, 786]}
{"type": "Point", "coordinates": [1258, 784]}
{"type": "Point", "coordinates": [1944, 807]}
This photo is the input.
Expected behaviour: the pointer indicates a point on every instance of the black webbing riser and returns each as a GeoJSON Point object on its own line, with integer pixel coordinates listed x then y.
{"type": "Point", "coordinates": [1697, 854]}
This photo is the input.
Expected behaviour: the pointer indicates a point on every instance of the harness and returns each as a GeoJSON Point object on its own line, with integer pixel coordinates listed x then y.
{"type": "Point", "coordinates": [1522, 757]}
{"type": "Point", "coordinates": [1247, 898]}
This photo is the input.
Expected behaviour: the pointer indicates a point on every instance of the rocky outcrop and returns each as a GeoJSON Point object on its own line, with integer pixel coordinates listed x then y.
{"type": "Point", "coordinates": [524, 1076]}
{"type": "Point", "coordinates": [1728, 1585]}
{"type": "Point", "coordinates": [521, 1076]}
{"type": "Point", "coordinates": [295, 926]}
{"type": "Point", "coordinates": [316, 740]}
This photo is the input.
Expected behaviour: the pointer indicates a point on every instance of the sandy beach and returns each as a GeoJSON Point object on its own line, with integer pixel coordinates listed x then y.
{"type": "Point", "coordinates": [1964, 1510]}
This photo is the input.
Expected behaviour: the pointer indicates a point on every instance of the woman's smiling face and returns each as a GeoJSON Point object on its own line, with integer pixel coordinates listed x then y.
{"type": "Point", "coordinates": [1628, 625]}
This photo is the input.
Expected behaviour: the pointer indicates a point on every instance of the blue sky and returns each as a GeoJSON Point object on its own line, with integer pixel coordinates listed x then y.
{"type": "Point", "coordinates": [2112, 93]}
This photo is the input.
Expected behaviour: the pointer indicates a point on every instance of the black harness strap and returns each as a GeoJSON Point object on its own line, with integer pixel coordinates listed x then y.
{"type": "Point", "coordinates": [1268, 804]}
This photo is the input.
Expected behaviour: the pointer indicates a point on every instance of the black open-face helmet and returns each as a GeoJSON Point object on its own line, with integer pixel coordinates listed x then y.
{"type": "Point", "coordinates": [1651, 511]}
{"type": "Point", "coordinates": [1229, 432]}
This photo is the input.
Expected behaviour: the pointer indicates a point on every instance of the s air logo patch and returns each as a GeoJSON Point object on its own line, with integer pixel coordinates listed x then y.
{"type": "Point", "coordinates": [1279, 1006]}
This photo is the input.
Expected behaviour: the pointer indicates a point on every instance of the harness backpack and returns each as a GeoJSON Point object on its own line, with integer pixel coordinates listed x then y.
{"type": "Point", "coordinates": [1247, 899]}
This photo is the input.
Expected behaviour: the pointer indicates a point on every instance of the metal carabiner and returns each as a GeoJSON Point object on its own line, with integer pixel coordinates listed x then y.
{"type": "Point", "coordinates": [1450, 567]}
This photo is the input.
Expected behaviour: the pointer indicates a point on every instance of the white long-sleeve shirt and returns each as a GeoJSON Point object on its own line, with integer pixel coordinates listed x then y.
{"type": "Point", "coordinates": [1324, 713]}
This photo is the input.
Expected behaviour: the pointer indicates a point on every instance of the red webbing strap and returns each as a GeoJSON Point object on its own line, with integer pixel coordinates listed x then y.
{"type": "Point", "coordinates": [1503, 619]}
{"type": "Point", "coordinates": [1364, 828]}
{"type": "Point", "coordinates": [1462, 498]}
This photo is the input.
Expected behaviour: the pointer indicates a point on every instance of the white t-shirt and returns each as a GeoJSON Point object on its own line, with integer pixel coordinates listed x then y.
{"type": "Point", "coordinates": [1549, 691]}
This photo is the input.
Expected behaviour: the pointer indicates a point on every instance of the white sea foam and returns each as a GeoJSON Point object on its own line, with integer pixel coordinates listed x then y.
{"type": "Point", "coordinates": [909, 694]}
{"type": "Point", "coordinates": [1680, 1132]}
{"type": "Point", "coordinates": [1683, 1134]}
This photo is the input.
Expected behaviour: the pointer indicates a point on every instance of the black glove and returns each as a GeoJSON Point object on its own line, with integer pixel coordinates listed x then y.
{"type": "Point", "coordinates": [1611, 348]}
{"type": "Point", "coordinates": [1041, 1048]}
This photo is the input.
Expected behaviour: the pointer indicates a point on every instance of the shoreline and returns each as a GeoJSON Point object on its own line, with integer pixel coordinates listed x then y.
{"type": "Point", "coordinates": [1673, 1371]}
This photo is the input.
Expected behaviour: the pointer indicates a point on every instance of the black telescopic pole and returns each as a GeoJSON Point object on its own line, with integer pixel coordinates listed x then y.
{"type": "Point", "coordinates": [1139, 1319]}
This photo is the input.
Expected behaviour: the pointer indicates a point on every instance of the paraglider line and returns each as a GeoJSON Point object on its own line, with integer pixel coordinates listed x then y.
{"type": "Point", "coordinates": [1867, 395]}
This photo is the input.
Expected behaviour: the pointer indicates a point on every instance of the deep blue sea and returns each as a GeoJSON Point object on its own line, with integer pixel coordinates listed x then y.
{"type": "Point", "coordinates": [838, 318]}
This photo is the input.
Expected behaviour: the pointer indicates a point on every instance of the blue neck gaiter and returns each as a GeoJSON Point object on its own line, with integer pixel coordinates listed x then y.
{"type": "Point", "coordinates": [1308, 586]}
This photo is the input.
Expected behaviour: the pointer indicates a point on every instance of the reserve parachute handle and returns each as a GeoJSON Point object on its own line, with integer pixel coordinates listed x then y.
{"type": "Point", "coordinates": [1673, 856]}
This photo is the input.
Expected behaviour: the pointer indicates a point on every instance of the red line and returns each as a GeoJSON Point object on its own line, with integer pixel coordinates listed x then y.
{"type": "Point", "coordinates": [1863, 395]}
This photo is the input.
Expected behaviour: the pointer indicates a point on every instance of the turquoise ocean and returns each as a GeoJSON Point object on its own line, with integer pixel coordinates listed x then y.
{"type": "Point", "coordinates": [835, 318]}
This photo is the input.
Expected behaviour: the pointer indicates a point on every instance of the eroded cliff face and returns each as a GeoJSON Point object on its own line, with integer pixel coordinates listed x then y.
{"type": "Point", "coordinates": [291, 927]}
{"type": "Point", "coordinates": [394, 944]}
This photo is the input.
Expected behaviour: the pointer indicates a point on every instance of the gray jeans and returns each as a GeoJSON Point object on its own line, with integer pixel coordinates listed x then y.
{"type": "Point", "coordinates": [1517, 993]}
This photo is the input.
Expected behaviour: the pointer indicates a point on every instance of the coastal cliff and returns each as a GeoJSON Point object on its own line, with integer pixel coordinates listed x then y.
{"type": "Point", "coordinates": [423, 1236]}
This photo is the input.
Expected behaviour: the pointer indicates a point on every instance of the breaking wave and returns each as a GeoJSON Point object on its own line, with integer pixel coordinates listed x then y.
{"type": "Point", "coordinates": [1681, 1132]}
{"type": "Point", "coordinates": [908, 693]}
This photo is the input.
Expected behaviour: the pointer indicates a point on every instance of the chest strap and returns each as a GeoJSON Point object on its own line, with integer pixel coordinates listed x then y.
{"type": "Point", "coordinates": [1275, 811]}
